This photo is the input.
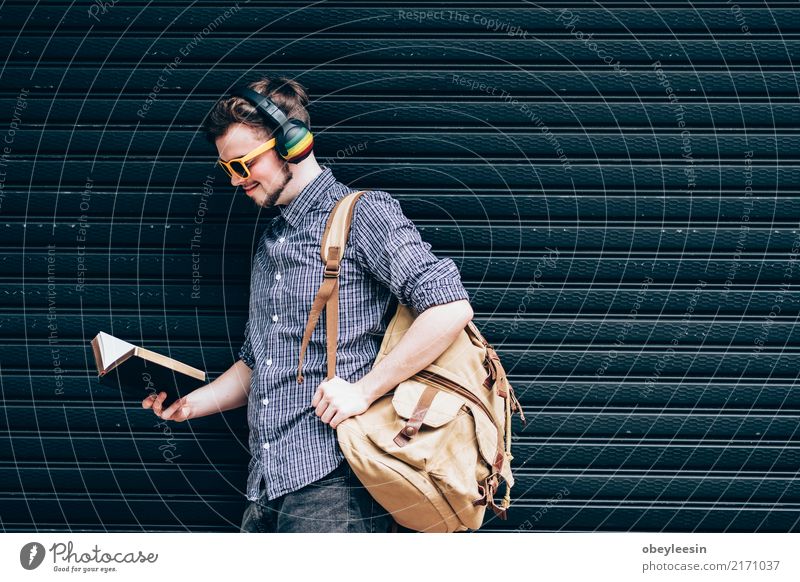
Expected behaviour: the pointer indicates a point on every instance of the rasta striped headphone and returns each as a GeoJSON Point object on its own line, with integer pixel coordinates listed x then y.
{"type": "Point", "coordinates": [293, 140]}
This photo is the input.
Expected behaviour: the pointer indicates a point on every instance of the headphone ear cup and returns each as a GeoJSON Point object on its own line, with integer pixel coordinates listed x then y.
{"type": "Point", "coordinates": [296, 143]}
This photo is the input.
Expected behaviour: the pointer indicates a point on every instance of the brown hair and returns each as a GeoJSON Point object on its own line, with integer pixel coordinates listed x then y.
{"type": "Point", "coordinates": [289, 95]}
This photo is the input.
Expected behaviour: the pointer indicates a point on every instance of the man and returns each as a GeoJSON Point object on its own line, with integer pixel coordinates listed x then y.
{"type": "Point", "coordinates": [298, 478]}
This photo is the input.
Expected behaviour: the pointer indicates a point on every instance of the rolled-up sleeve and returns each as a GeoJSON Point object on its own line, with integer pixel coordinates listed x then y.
{"type": "Point", "coordinates": [246, 351]}
{"type": "Point", "coordinates": [389, 246]}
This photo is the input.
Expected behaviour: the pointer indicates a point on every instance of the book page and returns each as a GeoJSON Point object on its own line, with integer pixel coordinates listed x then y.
{"type": "Point", "coordinates": [112, 349]}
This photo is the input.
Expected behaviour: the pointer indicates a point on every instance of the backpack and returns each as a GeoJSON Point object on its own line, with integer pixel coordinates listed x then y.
{"type": "Point", "coordinates": [433, 450]}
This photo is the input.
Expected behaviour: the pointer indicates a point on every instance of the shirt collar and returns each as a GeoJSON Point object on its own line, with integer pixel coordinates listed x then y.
{"type": "Point", "coordinates": [308, 198]}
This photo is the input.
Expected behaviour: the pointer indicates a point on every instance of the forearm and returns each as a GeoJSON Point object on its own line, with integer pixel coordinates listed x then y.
{"type": "Point", "coordinates": [227, 392]}
{"type": "Point", "coordinates": [427, 338]}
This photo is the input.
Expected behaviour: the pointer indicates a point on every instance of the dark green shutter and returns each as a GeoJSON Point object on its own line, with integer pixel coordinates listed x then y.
{"type": "Point", "coordinates": [616, 181]}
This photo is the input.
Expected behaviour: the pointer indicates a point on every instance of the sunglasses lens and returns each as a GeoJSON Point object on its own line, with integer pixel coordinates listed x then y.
{"type": "Point", "coordinates": [239, 169]}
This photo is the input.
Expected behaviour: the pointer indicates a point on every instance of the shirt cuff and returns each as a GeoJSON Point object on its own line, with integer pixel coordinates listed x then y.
{"type": "Point", "coordinates": [246, 355]}
{"type": "Point", "coordinates": [437, 292]}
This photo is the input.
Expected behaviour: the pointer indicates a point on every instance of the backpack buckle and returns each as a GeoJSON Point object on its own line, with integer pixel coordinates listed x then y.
{"type": "Point", "coordinates": [331, 269]}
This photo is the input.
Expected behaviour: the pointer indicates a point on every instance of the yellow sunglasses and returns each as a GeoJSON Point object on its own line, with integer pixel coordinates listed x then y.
{"type": "Point", "coordinates": [238, 166]}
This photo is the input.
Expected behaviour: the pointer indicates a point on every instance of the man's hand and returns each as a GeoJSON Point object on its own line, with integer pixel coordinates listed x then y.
{"type": "Point", "coordinates": [337, 399]}
{"type": "Point", "coordinates": [177, 411]}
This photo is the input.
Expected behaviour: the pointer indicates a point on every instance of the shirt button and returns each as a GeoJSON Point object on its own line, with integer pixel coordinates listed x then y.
{"type": "Point", "coordinates": [274, 317]}
{"type": "Point", "coordinates": [283, 238]}
{"type": "Point", "coordinates": [269, 362]}
{"type": "Point", "coordinates": [265, 401]}
{"type": "Point", "coordinates": [278, 276]}
{"type": "Point", "coordinates": [265, 446]}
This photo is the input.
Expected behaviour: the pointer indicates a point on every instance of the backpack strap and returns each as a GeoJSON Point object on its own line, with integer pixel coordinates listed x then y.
{"type": "Point", "coordinates": [334, 240]}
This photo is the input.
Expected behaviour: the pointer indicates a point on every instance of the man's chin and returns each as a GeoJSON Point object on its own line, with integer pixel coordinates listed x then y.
{"type": "Point", "coordinates": [265, 200]}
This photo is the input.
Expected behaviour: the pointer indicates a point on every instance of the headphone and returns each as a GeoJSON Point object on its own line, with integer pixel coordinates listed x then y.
{"type": "Point", "coordinates": [293, 140]}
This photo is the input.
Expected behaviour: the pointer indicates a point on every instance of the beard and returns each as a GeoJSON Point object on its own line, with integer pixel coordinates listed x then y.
{"type": "Point", "coordinates": [283, 179]}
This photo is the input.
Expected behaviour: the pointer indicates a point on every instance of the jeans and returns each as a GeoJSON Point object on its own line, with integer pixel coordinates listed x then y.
{"type": "Point", "coordinates": [336, 503]}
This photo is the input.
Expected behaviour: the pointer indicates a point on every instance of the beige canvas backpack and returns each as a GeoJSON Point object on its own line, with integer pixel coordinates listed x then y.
{"type": "Point", "coordinates": [433, 450]}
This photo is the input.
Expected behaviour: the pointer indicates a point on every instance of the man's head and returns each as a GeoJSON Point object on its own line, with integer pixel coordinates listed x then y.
{"type": "Point", "coordinates": [237, 128]}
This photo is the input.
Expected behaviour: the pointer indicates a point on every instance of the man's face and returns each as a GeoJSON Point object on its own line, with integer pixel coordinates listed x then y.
{"type": "Point", "coordinates": [269, 174]}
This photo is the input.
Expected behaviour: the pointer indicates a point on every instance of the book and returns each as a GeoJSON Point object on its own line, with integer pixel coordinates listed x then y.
{"type": "Point", "coordinates": [139, 372]}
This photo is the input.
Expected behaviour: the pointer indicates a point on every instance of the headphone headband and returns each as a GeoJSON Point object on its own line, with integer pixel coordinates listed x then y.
{"type": "Point", "coordinates": [263, 104]}
{"type": "Point", "coordinates": [294, 141]}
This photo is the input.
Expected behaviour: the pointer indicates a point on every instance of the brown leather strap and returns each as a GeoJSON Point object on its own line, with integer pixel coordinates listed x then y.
{"type": "Point", "coordinates": [327, 296]}
{"type": "Point", "coordinates": [498, 511]}
{"type": "Point", "coordinates": [415, 420]}
{"type": "Point", "coordinates": [497, 374]}
{"type": "Point", "coordinates": [487, 491]}
{"type": "Point", "coordinates": [498, 380]}
{"type": "Point", "coordinates": [325, 291]}
{"type": "Point", "coordinates": [472, 329]}
{"type": "Point", "coordinates": [332, 312]}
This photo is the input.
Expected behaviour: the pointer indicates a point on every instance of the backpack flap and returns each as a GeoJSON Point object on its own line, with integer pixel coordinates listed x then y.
{"type": "Point", "coordinates": [443, 408]}
{"type": "Point", "coordinates": [420, 404]}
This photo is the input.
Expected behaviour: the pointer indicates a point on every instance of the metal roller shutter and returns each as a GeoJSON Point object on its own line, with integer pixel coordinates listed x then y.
{"type": "Point", "coordinates": [617, 182]}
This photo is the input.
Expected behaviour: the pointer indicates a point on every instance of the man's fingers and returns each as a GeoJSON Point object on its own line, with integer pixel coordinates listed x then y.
{"type": "Point", "coordinates": [167, 414]}
{"type": "Point", "coordinates": [158, 403]}
{"type": "Point", "coordinates": [330, 412]}
{"type": "Point", "coordinates": [340, 416]}
{"type": "Point", "coordinates": [317, 397]}
{"type": "Point", "coordinates": [176, 409]}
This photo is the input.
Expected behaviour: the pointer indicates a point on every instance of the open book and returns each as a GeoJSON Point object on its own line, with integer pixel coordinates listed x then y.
{"type": "Point", "coordinates": [140, 372]}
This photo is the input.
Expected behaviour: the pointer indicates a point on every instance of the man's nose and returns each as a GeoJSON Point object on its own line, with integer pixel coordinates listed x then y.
{"type": "Point", "coordinates": [237, 180]}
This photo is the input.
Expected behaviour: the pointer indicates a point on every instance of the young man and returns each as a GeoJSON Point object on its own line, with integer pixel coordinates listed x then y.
{"type": "Point", "coordinates": [298, 478]}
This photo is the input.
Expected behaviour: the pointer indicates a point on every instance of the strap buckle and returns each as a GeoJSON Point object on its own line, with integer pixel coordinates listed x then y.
{"type": "Point", "coordinates": [331, 269]}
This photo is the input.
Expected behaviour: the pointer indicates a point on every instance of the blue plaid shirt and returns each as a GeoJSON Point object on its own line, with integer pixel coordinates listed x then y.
{"type": "Point", "coordinates": [385, 260]}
